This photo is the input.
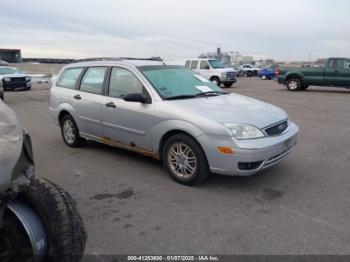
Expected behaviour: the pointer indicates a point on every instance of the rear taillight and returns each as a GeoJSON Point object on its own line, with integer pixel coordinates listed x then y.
{"type": "Point", "coordinates": [277, 71]}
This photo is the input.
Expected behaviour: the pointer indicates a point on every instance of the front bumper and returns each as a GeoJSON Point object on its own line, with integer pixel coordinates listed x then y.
{"type": "Point", "coordinates": [8, 85]}
{"type": "Point", "coordinates": [249, 156]}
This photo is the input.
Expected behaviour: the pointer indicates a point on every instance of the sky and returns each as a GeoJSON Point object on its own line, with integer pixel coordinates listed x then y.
{"type": "Point", "coordinates": [279, 29]}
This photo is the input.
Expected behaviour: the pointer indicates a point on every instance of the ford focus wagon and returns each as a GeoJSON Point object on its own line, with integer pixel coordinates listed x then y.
{"type": "Point", "coordinates": [170, 113]}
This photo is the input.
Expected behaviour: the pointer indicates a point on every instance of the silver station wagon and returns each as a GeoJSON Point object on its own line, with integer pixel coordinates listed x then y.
{"type": "Point", "coordinates": [170, 113]}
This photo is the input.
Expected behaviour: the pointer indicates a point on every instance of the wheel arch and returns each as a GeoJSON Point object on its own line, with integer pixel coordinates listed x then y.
{"type": "Point", "coordinates": [296, 75]}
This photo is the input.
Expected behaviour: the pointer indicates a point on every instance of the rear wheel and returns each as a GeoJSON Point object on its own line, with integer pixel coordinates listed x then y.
{"type": "Point", "coordinates": [294, 84]}
{"type": "Point", "coordinates": [185, 160]}
{"type": "Point", "coordinates": [249, 73]}
{"type": "Point", "coordinates": [70, 132]}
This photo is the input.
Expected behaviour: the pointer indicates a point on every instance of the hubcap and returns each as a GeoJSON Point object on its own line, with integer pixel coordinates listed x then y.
{"type": "Point", "coordinates": [69, 131]}
{"type": "Point", "coordinates": [182, 160]}
{"type": "Point", "coordinates": [293, 85]}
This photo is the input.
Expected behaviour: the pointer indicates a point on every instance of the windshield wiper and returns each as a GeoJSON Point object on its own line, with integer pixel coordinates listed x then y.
{"type": "Point", "coordinates": [213, 93]}
{"type": "Point", "coordinates": [180, 97]}
{"type": "Point", "coordinates": [208, 93]}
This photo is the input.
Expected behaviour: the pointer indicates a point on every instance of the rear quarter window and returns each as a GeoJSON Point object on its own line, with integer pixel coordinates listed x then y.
{"type": "Point", "coordinates": [69, 77]}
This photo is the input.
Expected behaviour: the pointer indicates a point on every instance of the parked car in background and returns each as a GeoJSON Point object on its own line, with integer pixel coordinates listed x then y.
{"type": "Point", "coordinates": [3, 63]}
{"type": "Point", "coordinates": [249, 70]}
{"type": "Point", "coordinates": [267, 73]}
{"type": "Point", "coordinates": [169, 113]}
{"type": "Point", "coordinates": [238, 69]}
{"type": "Point", "coordinates": [213, 70]}
{"type": "Point", "coordinates": [335, 73]}
{"type": "Point", "coordinates": [12, 79]}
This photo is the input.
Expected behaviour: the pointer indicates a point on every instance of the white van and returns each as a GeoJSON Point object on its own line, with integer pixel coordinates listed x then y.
{"type": "Point", "coordinates": [211, 69]}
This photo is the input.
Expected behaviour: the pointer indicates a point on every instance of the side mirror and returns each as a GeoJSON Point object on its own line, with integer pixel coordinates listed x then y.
{"type": "Point", "coordinates": [207, 67]}
{"type": "Point", "coordinates": [136, 97]}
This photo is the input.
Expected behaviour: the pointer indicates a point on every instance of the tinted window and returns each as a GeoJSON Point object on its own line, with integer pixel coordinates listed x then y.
{"type": "Point", "coordinates": [203, 65]}
{"type": "Point", "coordinates": [188, 63]}
{"type": "Point", "coordinates": [69, 77]}
{"type": "Point", "coordinates": [123, 82]}
{"type": "Point", "coordinates": [92, 81]}
{"type": "Point", "coordinates": [194, 64]}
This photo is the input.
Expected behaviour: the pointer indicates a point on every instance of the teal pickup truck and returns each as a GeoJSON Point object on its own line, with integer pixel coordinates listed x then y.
{"type": "Point", "coordinates": [336, 72]}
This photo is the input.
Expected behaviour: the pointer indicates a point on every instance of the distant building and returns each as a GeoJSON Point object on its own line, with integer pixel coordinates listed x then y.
{"type": "Point", "coordinates": [11, 55]}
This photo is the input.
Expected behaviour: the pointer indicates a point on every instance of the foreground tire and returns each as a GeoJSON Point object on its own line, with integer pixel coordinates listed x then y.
{"type": "Point", "coordinates": [294, 84]}
{"type": "Point", "coordinates": [64, 227]}
{"type": "Point", "coordinates": [70, 132]}
{"type": "Point", "coordinates": [185, 160]}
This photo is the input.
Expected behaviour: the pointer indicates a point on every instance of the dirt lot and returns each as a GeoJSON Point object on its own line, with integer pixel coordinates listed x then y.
{"type": "Point", "coordinates": [131, 206]}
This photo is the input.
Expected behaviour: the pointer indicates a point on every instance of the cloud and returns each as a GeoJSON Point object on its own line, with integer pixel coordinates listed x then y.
{"type": "Point", "coordinates": [288, 29]}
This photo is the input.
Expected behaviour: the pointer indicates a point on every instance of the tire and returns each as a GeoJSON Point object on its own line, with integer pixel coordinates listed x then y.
{"type": "Point", "coordinates": [249, 73]}
{"type": "Point", "coordinates": [228, 84]}
{"type": "Point", "coordinates": [64, 227]}
{"type": "Point", "coordinates": [195, 155]}
{"type": "Point", "coordinates": [215, 80]}
{"type": "Point", "coordinates": [70, 137]}
{"type": "Point", "coordinates": [29, 88]}
{"type": "Point", "coordinates": [294, 84]}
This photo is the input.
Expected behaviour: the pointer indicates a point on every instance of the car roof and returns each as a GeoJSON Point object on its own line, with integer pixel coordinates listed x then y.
{"type": "Point", "coordinates": [133, 62]}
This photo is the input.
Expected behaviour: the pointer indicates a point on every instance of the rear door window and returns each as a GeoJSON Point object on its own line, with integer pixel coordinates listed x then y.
{"type": "Point", "coordinates": [92, 81]}
{"type": "Point", "coordinates": [69, 77]}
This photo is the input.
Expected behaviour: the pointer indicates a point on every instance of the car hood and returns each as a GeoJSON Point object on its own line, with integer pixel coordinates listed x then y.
{"type": "Point", "coordinates": [13, 75]}
{"type": "Point", "coordinates": [224, 70]}
{"type": "Point", "coordinates": [233, 108]}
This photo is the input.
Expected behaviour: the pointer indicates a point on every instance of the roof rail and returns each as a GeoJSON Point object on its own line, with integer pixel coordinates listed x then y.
{"type": "Point", "coordinates": [117, 59]}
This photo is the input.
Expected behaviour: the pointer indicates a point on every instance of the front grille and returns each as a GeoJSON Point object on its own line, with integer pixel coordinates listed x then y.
{"type": "Point", "coordinates": [277, 129]}
{"type": "Point", "coordinates": [18, 79]}
{"type": "Point", "coordinates": [231, 75]}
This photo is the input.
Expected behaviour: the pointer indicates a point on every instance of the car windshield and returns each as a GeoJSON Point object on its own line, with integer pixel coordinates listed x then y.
{"type": "Point", "coordinates": [216, 64]}
{"type": "Point", "coordinates": [8, 70]}
{"type": "Point", "coordinates": [177, 82]}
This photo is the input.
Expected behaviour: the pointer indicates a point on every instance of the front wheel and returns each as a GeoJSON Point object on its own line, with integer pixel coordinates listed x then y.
{"type": "Point", "coordinates": [42, 225]}
{"type": "Point", "coordinates": [216, 81]}
{"type": "Point", "coordinates": [185, 160]}
{"type": "Point", "coordinates": [294, 84]}
{"type": "Point", "coordinates": [228, 84]}
{"type": "Point", "coordinates": [64, 227]}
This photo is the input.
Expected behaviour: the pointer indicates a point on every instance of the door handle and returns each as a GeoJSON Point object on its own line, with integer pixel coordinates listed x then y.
{"type": "Point", "coordinates": [77, 97]}
{"type": "Point", "coordinates": [110, 104]}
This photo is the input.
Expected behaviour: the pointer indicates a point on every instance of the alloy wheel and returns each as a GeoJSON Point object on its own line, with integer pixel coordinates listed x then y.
{"type": "Point", "coordinates": [182, 160]}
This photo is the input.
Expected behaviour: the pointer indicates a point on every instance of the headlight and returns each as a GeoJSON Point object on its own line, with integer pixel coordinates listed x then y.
{"type": "Point", "coordinates": [224, 75]}
{"type": "Point", "coordinates": [7, 79]}
{"type": "Point", "coordinates": [243, 131]}
{"type": "Point", "coordinates": [27, 78]}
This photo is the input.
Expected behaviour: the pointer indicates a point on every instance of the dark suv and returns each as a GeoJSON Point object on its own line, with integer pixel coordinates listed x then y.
{"type": "Point", "coordinates": [12, 79]}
